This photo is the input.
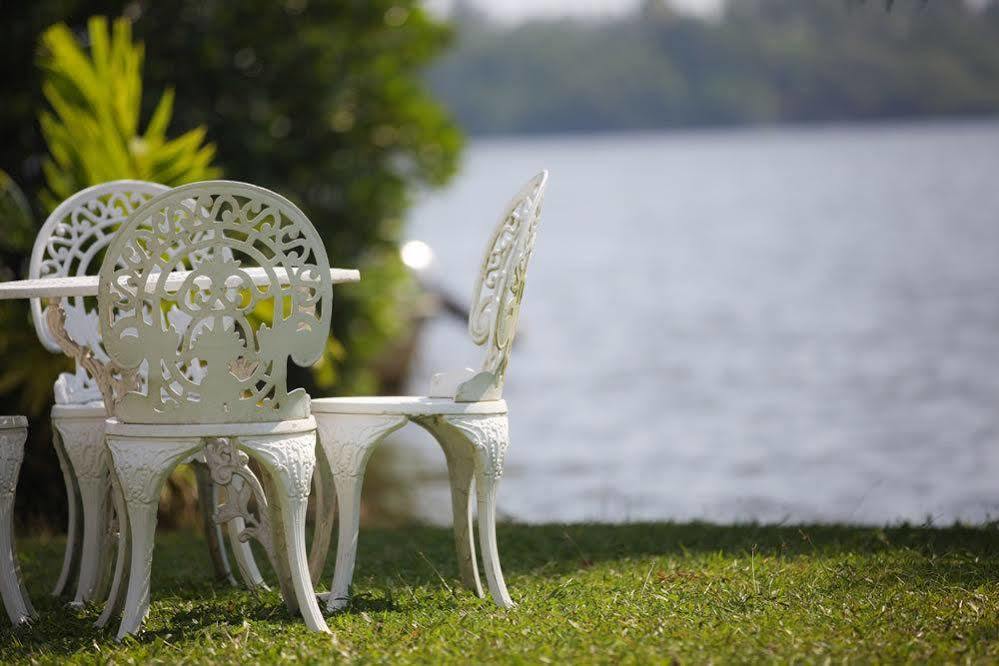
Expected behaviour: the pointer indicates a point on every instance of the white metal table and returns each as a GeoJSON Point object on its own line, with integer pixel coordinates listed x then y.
{"type": "Point", "coordinates": [54, 289]}
{"type": "Point", "coordinates": [60, 287]}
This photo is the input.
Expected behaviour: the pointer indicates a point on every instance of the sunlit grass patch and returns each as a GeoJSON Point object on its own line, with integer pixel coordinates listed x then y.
{"type": "Point", "coordinates": [639, 593]}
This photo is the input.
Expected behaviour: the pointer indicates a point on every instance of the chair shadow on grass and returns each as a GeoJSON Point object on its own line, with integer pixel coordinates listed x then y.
{"type": "Point", "coordinates": [391, 561]}
{"type": "Point", "coordinates": [425, 555]}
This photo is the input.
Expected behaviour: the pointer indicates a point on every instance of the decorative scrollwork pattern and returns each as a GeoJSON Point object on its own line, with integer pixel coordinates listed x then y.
{"type": "Point", "coordinates": [110, 380]}
{"type": "Point", "coordinates": [350, 440]}
{"type": "Point", "coordinates": [492, 321]}
{"type": "Point", "coordinates": [68, 244]}
{"type": "Point", "coordinates": [217, 348]}
{"type": "Point", "coordinates": [489, 435]}
{"type": "Point", "coordinates": [226, 463]}
{"type": "Point", "coordinates": [141, 466]}
{"type": "Point", "coordinates": [292, 457]}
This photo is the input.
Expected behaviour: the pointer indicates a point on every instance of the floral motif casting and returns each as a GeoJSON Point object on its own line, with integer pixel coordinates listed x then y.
{"type": "Point", "coordinates": [500, 287]}
{"type": "Point", "coordinates": [229, 363]}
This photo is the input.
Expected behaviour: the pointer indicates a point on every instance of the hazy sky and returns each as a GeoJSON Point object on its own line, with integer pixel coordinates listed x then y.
{"type": "Point", "coordinates": [512, 10]}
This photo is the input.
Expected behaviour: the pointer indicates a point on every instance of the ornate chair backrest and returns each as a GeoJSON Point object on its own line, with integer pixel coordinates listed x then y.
{"type": "Point", "coordinates": [492, 321]}
{"type": "Point", "coordinates": [239, 334]}
{"type": "Point", "coordinates": [70, 244]}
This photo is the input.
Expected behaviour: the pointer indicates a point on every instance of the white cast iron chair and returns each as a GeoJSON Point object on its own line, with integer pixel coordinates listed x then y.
{"type": "Point", "coordinates": [240, 407]}
{"type": "Point", "coordinates": [465, 413]}
{"type": "Point", "coordinates": [13, 433]}
{"type": "Point", "coordinates": [71, 243]}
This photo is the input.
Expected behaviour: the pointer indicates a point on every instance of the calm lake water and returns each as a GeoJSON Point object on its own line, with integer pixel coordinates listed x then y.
{"type": "Point", "coordinates": [788, 324]}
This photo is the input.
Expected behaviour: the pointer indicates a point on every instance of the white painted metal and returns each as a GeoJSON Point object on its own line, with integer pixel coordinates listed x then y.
{"type": "Point", "coordinates": [348, 442]}
{"type": "Point", "coordinates": [208, 496]}
{"type": "Point", "coordinates": [66, 248]}
{"type": "Point", "coordinates": [411, 405]}
{"type": "Point", "coordinates": [243, 364]}
{"type": "Point", "coordinates": [79, 430]}
{"type": "Point", "coordinates": [87, 285]}
{"type": "Point", "coordinates": [237, 405]}
{"type": "Point", "coordinates": [73, 237]}
{"type": "Point", "coordinates": [492, 322]}
{"type": "Point", "coordinates": [466, 416]}
{"type": "Point", "coordinates": [13, 433]}
{"type": "Point", "coordinates": [69, 242]}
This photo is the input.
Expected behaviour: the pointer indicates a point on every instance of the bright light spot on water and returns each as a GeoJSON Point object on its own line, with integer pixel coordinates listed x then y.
{"type": "Point", "coordinates": [416, 254]}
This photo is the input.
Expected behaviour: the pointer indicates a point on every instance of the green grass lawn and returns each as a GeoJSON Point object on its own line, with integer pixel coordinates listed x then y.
{"type": "Point", "coordinates": [632, 593]}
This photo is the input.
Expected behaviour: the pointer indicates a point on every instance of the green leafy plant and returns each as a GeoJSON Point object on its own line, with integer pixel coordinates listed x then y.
{"type": "Point", "coordinates": [323, 101]}
{"type": "Point", "coordinates": [93, 136]}
{"type": "Point", "coordinates": [93, 132]}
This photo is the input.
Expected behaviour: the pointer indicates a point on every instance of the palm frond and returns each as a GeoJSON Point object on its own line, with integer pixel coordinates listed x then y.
{"type": "Point", "coordinates": [93, 125]}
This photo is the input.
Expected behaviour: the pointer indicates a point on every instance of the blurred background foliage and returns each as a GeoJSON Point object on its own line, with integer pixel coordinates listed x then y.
{"type": "Point", "coordinates": [334, 103]}
{"type": "Point", "coordinates": [758, 62]}
{"type": "Point", "coordinates": [92, 132]}
{"type": "Point", "coordinates": [322, 101]}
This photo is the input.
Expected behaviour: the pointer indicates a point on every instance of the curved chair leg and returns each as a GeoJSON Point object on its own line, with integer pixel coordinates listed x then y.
{"type": "Point", "coordinates": [93, 494]}
{"type": "Point", "coordinates": [488, 438]}
{"type": "Point", "coordinates": [279, 545]}
{"type": "Point", "coordinates": [142, 466]}
{"type": "Point", "coordinates": [348, 441]}
{"type": "Point", "coordinates": [289, 462]}
{"type": "Point", "coordinates": [461, 473]}
{"type": "Point", "coordinates": [15, 599]}
{"type": "Point", "coordinates": [116, 593]}
{"type": "Point", "coordinates": [324, 493]}
{"type": "Point", "coordinates": [207, 501]}
{"type": "Point", "coordinates": [108, 540]}
{"type": "Point", "coordinates": [348, 490]}
{"type": "Point", "coordinates": [241, 550]}
{"type": "Point", "coordinates": [487, 484]}
{"type": "Point", "coordinates": [83, 441]}
{"type": "Point", "coordinates": [71, 555]}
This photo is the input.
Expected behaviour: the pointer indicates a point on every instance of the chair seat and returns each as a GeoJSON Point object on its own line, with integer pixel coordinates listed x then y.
{"type": "Point", "coordinates": [404, 405]}
{"type": "Point", "coordinates": [166, 430]}
{"type": "Point", "coordinates": [7, 422]}
{"type": "Point", "coordinates": [90, 410]}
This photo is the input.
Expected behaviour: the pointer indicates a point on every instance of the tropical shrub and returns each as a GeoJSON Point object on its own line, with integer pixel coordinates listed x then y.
{"type": "Point", "coordinates": [91, 127]}
{"type": "Point", "coordinates": [322, 101]}
{"type": "Point", "coordinates": [92, 130]}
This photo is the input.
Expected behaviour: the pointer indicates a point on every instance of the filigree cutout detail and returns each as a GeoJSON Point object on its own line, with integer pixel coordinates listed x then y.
{"type": "Point", "coordinates": [499, 289]}
{"type": "Point", "coordinates": [226, 462]}
{"type": "Point", "coordinates": [218, 228]}
{"type": "Point", "coordinates": [71, 240]}
{"type": "Point", "coordinates": [111, 380]}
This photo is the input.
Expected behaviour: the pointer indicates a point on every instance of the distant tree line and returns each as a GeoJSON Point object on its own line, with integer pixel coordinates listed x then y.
{"type": "Point", "coordinates": [760, 62]}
